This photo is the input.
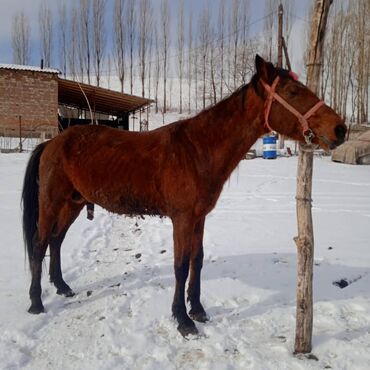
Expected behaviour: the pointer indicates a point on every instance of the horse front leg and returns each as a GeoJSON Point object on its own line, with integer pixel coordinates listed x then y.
{"type": "Point", "coordinates": [197, 311]}
{"type": "Point", "coordinates": [183, 229]}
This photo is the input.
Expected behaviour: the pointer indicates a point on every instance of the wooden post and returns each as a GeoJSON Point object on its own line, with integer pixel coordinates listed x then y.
{"type": "Point", "coordinates": [305, 238]}
{"type": "Point", "coordinates": [20, 134]}
{"type": "Point", "coordinates": [280, 55]}
{"type": "Point", "coordinates": [286, 56]}
{"type": "Point", "coordinates": [280, 36]}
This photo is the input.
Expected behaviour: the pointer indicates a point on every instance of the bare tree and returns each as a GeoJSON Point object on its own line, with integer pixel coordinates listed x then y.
{"type": "Point", "coordinates": [46, 33]}
{"type": "Point", "coordinates": [244, 24]}
{"type": "Point", "coordinates": [204, 39]}
{"type": "Point", "coordinates": [144, 27]}
{"type": "Point", "coordinates": [119, 39]}
{"type": "Point", "coordinates": [234, 31]}
{"type": "Point", "coordinates": [157, 66]}
{"type": "Point", "coordinates": [180, 49]}
{"type": "Point", "coordinates": [212, 66]}
{"type": "Point", "coordinates": [85, 34]}
{"type": "Point", "coordinates": [73, 45]}
{"type": "Point", "coordinates": [345, 73]}
{"type": "Point", "coordinates": [270, 9]}
{"type": "Point", "coordinates": [362, 65]}
{"type": "Point", "coordinates": [221, 43]}
{"type": "Point", "coordinates": [150, 63]}
{"type": "Point", "coordinates": [196, 54]}
{"type": "Point", "coordinates": [190, 58]}
{"type": "Point", "coordinates": [21, 34]}
{"type": "Point", "coordinates": [131, 30]}
{"type": "Point", "coordinates": [109, 70]}
{"type": "Point", "coordinates": [62, 26]}
{"type": "Point", "coordinates": [99, 36]}
{"type": "Point", "coordinates": [165, 25]}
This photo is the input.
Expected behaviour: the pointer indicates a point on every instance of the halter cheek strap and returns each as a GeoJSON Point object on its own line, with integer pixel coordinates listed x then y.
{"type": "Point", "coordinates": [303, 119]}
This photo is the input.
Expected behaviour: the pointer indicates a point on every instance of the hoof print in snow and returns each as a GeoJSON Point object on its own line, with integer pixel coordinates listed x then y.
{"type": "Point", "coordinates": [115, 285]}
{"type": "Point", "coordinates": [311, 356]}
{"type": "Point", "coordinates": [306, 356]}
{"type": "Point", "coordinates": [330, 248]}
{"type": "Point", "coordinates": [138, 255]}
{"type": "Point", "coordinates": [280, 338]}
{"type": "Point", "coordinates": [162, 251]}
{"type": "Point", "coordinates": [88, 293]}
{"type": "Point", "coordinates": [342, 283]}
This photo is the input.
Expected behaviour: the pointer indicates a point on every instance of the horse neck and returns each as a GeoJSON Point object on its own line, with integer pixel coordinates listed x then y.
{"type": "Point", "coordinates": [223, 134]}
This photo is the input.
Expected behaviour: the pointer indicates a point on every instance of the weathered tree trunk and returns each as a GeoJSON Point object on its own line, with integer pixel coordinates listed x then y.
{"type": "Point", "coordinates": [305, 238]}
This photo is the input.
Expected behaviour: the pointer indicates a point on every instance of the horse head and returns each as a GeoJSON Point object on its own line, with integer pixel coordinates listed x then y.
{"type": "Point", "coordinates": [292, 109]}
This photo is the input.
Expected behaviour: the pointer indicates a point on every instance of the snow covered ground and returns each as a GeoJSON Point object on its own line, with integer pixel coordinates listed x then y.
{"type": "Point", "coordinates": [121, 270]}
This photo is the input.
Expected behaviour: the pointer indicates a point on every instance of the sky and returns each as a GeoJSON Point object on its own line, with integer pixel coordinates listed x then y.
{"type": "Point", "coordinates": [257, 10]}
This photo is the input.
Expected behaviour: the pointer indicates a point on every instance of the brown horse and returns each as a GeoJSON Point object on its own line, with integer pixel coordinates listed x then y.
{"type": "Point", "coordinates": [176, 171]}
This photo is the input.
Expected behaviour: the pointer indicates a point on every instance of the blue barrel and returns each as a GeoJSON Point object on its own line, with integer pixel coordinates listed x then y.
{"type": "Point", "coordinates": [269, 147]}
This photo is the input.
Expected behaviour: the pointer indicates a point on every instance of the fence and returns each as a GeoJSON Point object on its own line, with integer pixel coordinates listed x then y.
{"type": "Point", "coordinates": [14, 139]}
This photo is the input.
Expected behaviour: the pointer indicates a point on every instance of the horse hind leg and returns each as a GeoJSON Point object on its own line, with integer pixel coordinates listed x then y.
{"type": "Point", "coordinates": [39, 245]}
{"type": "Point", "coordinates": [67, 216]}
{"type": "Point", "coordinates": [55, 270]}
{"type": "Point", "coordinates": [36, 271]}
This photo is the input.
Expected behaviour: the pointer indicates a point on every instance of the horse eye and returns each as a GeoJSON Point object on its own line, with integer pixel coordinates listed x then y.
{"type": "Point", "coordinates": [293, 92]}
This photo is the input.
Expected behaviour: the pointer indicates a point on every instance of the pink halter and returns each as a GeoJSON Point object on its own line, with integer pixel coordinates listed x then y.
{"type": "Point", "coordinates": [303, 119]}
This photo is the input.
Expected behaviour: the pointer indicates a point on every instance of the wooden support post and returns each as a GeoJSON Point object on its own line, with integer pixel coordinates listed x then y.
{"type": "Point", "coordinates": [280, 36]}
{"type": "Point", "coordinates": [286, 55]}
{"type": "Point", "coordinates": [305, 238]}
{"type": "Point", "coordinates": [280, 55]}
{"type": "Point", "coordinates": [20, 134]}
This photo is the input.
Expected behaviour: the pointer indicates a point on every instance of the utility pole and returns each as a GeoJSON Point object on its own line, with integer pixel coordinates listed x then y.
{"type": "Point", "coordinates": [280, 55]}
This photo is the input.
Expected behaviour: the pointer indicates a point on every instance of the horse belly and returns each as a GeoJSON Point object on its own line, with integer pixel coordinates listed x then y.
{"type": "Point", "coordinates": [129, 203]}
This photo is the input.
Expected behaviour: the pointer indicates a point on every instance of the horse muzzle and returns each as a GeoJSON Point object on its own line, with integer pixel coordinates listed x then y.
{"type": "Point", "coordinates": [340, 133]}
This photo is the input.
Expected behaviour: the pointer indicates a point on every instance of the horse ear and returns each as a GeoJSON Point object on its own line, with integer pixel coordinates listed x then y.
{"type": "Point", "coordinates": [265, 70]}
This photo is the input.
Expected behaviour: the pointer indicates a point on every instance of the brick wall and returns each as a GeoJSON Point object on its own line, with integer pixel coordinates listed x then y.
{"type": "Point", "coordinates": [32, 95]}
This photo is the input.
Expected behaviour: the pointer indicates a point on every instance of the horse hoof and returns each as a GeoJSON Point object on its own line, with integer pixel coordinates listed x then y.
{"type": "Point", "coordinates": [186, 330]}
{"type": "Point", "coordinates": [66, 293]}
{"type": "Point", "coordinates": [36, 309]}
{"type": "Point", "coordinates": [199, 316]}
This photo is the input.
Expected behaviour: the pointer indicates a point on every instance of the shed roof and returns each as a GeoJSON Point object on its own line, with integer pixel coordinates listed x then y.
{"type": "Point", "coordinates": [101, 100]}
{"type": "Point", "coordinates": [19, 67]}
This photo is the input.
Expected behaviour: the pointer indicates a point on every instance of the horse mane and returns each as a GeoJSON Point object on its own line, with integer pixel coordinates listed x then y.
{"type": "Point", "coordinates": [243, 89]}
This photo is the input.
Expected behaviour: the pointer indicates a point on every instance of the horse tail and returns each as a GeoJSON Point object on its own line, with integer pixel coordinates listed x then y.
{"type": "Point", "coordinates": [30, 200]}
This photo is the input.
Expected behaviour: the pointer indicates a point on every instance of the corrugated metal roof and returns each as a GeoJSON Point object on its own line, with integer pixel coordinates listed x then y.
{"type": "Point", "coordinates": [19, 67]}
{"type": "Point", "coordinates": [101, 100]}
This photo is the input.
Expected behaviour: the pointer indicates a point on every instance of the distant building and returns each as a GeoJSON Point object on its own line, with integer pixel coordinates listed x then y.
{"type": "Point", "coordinates": [28, 94]}
{"type": "Point", "coordinates": [35, 100]}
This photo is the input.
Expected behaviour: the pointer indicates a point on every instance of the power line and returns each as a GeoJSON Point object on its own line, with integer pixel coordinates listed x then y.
{"type": "Point", "coordinates": [298, 17]}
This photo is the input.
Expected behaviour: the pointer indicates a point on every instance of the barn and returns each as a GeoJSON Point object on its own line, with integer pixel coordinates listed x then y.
{"type": "Point", "coordinates": [37, 101]}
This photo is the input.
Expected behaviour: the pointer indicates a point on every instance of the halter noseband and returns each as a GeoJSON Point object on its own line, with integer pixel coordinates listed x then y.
{"type": "Point", "coordinates": [303, 119]}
